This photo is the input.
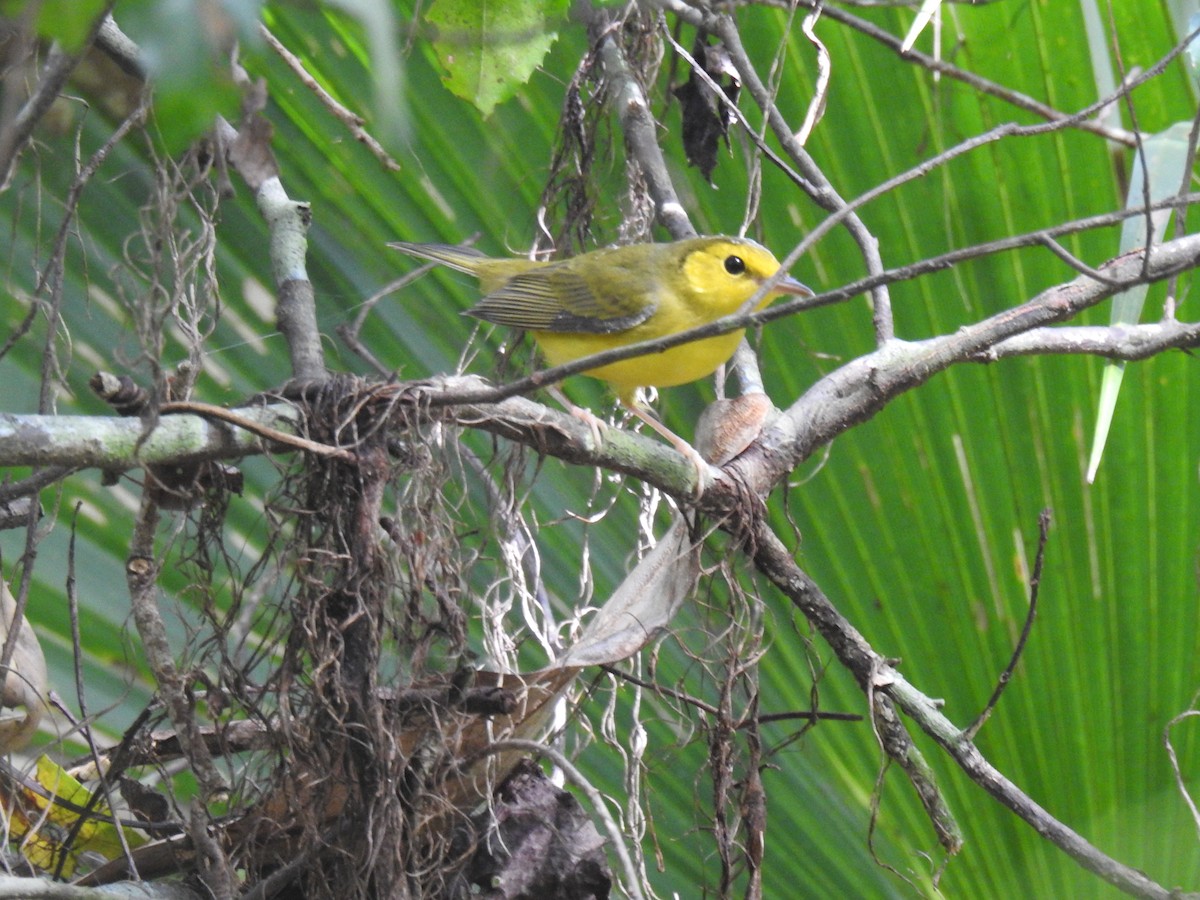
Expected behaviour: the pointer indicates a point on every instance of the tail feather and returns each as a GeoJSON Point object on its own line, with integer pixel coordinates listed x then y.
{"type": "Point", "coordinates": [464, 259]}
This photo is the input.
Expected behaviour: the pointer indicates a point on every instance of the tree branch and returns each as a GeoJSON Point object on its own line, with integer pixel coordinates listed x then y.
{"type": "Point", "coordinates": [15, 134]}
{"type": "Point", "coordinates": [641, 135]}
{"type": "Point", "coordinates": [1035, 582]}
{"type": "Point", "coordinates": [249, 150]}
{"type": "Point", "coordinates": [846, 396]}
{"type": "Point", "coordinates": [976, 82]}
{"type": "Point", "coordinates": [122, 443]}
{"type": "Point", "coordinates": [142, 569]}
{"type": "Point", "coordinates": [862, 387]}
{"type": "Point", "coordinates": [44, 889]}
{"type": "Point", "coordinates": [1117, 281]}
{"type": "Point", "coordinates": [875, 674]}
{"type": "Point", "coordinates": [825, 196]}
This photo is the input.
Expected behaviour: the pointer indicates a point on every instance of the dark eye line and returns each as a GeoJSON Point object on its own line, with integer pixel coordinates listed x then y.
{"type": "Point", "coordinates": [735, 265]}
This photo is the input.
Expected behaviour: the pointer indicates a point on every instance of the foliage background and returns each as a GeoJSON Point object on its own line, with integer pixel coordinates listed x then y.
{"type": "Point", "coordinates": [919, 524]}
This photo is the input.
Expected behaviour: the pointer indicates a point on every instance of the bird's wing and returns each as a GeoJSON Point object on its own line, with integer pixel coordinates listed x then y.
{"type": "Point", "coordinates": [557, 298]}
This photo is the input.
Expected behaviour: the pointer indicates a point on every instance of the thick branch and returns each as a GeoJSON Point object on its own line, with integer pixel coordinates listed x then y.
{"type": "Point", "coordinates": [858, 390]}
{"type": "Point", "coordinates": [44, 889]}
{"type": "Point", "coordinates": [122, 443]}
{"type": "Point", "coordinates": [845, 397]}
{"type": "Point", "coordinates": [113, 443]}
{"type": "Point", "coordinates": [250, 154]}
{"type": "Point", "coordinates": [641, 138]}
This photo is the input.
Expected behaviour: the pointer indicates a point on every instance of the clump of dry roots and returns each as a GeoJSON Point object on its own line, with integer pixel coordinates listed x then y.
{"type": "Point", "coordinates": [376, 708]}
{"type": "Point", "coordinates": [357, 786]}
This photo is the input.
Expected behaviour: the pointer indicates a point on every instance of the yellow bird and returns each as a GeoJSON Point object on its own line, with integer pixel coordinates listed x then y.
{"type": "Point", "coordinates": [620, 296]}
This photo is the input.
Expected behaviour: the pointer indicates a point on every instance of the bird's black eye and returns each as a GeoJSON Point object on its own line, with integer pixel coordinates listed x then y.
{"type": "Point", "coordinates": [735, 265]}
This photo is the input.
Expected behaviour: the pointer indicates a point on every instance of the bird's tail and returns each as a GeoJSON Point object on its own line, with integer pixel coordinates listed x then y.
{"type": "Point", "coordinates": [464, 259]}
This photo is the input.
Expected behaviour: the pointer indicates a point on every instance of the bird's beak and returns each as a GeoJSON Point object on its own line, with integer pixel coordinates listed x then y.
{"type": "Point", "coordinates": [790, 285]}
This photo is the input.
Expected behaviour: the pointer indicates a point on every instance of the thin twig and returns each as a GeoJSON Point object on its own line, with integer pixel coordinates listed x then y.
{"type": "Point", "coordinates": [220, 413]}
{"type": "Point", "coordinates": [50, 280]}
{"type": "Point", "coordinates": [81, 699]}
{"type": "Point", "coordinates": [1176, 771]}
{"type": "Point", "coordinates": [811, 715]}
{"type": "Point", "coordinates": [775, 562]}
{"type": "Point", "coordinates": [825, 195]}
{"type": "Point", "coordinates": [142, 569]}
{"type": "Point", "coordinates": [35, 483]}
{"type": "Point", "coordinates": [58, 68]}
{"type": "Point", "coordinates": [1071, 260]}
{"type": "Point", "coordinates": [1035, 582]}
{"type": "Point", "coordinates": [977, 82]}
{"type": "Point", "coordinates": [1122, 281]}
{"type": "Point", "coordinates": [349, 331]}
{"type": "Point", "coordinates": [354, 123]}
{"type": "Point", "coordinates": [846, 211]}
{"type": "Point", "coordinates": [10, 777]}
{"type": "Point", "coordinates": [756, 138]}
{"type": "Point", "coordinates": [816, 106]}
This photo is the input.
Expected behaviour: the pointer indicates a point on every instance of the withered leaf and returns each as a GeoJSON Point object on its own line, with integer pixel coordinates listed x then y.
{"type": "Point", "coordinates": [708, 114]}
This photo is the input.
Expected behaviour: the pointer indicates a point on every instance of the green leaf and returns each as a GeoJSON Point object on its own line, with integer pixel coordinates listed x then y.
{"type": "Point", "coordinates": [919, 523]}
{"type": "Point", "coordinates": [490, 49]}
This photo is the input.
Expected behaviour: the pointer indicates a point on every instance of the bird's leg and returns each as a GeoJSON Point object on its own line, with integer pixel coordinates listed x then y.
{"type": "Point", "coordinates": [689, 452]}
{"type": "Point", "coordinates": [589, 418]}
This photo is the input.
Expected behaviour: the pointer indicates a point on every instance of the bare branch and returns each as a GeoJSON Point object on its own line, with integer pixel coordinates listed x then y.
{"type": "Point", "coordinates": [121, 443]}
{"type": "Point", "coordinates": [1035, 582]}
{"type": "Point", "coordinates": [843, 398]}
{"type": "Point", "coordinates": [641, 137]}
{"type": "Point", "coordinates": [825, 196]}
{"type": "Point", "coordinates": [873, 672]}
{"type": "Point", "coordinates": [1127, 342]}
{"type": "Point", "coordinates": [810, 715]}
{"type": "Point", "coordinates": [859, 389]}
{"type": "Point", "coordinates": [142, 569]}
{"type": "Point", "coordinates": [1176, 771]}
{"type": "Point", "coordinates": [15, 134]}
{"type": "Point", "coordinates": [249, 149]}
{"type": "Point", "coordinates": [354, 123]}
{"type": "Point", "coordinates": [44, 889]}
{"type": "Point", "coordinates": [972, 80]}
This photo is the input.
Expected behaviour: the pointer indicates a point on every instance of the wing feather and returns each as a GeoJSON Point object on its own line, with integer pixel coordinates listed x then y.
{"type": "Point", "coordinates": [557, 298]}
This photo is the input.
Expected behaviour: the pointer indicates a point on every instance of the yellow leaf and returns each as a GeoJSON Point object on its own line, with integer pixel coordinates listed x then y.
{"type": "Point", "coordinates": [42, 821]}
